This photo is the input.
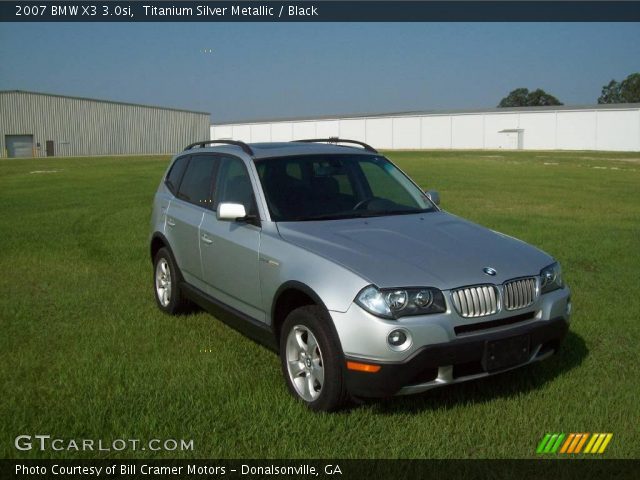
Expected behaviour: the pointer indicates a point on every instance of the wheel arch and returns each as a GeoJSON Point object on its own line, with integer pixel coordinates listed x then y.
{"type": "Point", "coordinates": [158, 241]}
{"type": "Point", "coordinates": [289, 296]}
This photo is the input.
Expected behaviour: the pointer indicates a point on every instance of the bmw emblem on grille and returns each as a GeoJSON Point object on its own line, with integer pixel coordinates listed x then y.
{"type": "Point", "coordinates": [490, 271]}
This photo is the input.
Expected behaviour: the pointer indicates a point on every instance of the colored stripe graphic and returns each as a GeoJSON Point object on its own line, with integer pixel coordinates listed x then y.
{"type": "Point", "coordinates": [581, 443]}
{"type": "Point", "coordinates": [574, 442]}
{"type": "Point", "coordinates": [550, 443]}
{"type": "Point", "coordinates": [594, 437]}
{"type": "Point", "coordinates": [598, 443]}
{"type": "Point", "coordinates": [556, 445]}
{"type": "Point", "coordinates": [543, 443]}
{"type": "Point", "coordinates": [567, 442]}
{"type": "Point", "coordinates": [605, 443]}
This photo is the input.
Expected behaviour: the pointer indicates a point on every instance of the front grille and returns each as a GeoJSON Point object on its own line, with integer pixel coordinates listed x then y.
{"type": "Point", "coordinates": [520, 293]}
{"type": "Point", "coordinates": [478, 301]}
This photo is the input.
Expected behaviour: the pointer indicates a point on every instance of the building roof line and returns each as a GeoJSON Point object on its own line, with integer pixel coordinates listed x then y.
{"type": "Point", "coordinates": [550, 108]}
{"type": "Point", "coordinates": [105, 101]}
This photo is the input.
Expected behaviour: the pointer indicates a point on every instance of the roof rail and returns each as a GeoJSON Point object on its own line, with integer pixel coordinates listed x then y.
{"type": "Point", "coordinates": [245, 148]}
{"type": "Point", "coordinates": [368, 148]}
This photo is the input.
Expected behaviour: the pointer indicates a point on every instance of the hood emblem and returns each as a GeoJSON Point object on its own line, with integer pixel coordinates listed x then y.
{"type": "Point", "coordinates": [490, 271]}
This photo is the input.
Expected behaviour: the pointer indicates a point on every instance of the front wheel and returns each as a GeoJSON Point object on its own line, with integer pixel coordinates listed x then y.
{"type": "Point", "coordinates": [312, 362]}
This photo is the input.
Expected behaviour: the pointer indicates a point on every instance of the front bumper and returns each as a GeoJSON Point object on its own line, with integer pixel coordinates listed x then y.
{"type": "Point", "coordinates": [443, 349]}
{"type": "Point", "coordinates": [452, 362]}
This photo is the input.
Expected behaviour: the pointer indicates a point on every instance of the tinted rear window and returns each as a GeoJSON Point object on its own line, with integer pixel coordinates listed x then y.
{"type": "Point", "coordinates": [197, 182]}
{"type": "Point", "coordinates": [175, 174]}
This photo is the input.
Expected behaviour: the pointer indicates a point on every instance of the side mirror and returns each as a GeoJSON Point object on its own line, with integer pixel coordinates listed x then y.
{"type": "Point", "coordinates": [434, 196]}
{"type": "Point", "coordinates": [231, 211]}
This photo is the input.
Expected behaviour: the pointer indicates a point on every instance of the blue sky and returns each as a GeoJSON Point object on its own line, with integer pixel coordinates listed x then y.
{"type": "Point", "coordinates": [278, 70]}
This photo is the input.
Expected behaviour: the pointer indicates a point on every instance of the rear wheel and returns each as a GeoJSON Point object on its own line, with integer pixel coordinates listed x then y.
{"type": "Point", "coordinates": [166, 282]}
{"type": "Point", "coordinates": [312, 362]}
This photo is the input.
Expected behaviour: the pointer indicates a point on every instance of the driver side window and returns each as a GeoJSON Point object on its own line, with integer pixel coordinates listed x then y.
{"type": "Point", "coordinates": [234, 185]}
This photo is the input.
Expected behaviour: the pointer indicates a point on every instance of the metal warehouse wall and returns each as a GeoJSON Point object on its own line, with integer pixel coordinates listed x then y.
{"type": "Point", "coordinates": [602, 127]}
{"type": "Point", "coordinates": [80, 126]}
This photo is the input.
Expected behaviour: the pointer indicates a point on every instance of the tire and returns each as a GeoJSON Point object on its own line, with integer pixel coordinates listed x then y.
{"type": "Point", "coordinates": [312, 360]}
{"type": "Point", "coordinates": [166, 283]}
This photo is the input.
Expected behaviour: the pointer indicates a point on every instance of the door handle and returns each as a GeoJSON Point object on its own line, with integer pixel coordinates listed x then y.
{"type": "Point", "coordinates": [170, 222]}
{"type": "Point", "coordinates": [206, 239]}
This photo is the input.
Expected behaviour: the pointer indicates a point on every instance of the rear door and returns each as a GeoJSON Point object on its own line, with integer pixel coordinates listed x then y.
{"type": "Point", "coordinates": [185, 213]}
{"type": "Point", "coordinates": [230, 250]}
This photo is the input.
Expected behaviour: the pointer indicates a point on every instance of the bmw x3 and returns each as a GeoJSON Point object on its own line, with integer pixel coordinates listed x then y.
{"type": "Point", "coordinates": [326, 252]}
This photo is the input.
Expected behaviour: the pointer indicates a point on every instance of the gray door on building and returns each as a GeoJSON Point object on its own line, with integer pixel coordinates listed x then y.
{"type": "Point", "coordinates": [19, 145]}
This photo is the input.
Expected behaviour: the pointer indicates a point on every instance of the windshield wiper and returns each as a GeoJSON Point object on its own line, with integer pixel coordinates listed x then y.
{"type": "Point", "coordinates": [324, 216]}
{"type": "Point", "coordinates": [358, 214]}
{"type": "Point", "coordinates": [380, 213]}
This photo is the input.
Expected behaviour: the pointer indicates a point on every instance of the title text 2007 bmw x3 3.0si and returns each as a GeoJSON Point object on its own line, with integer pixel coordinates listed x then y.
{"type": "Point", "coordinates": [333, 257]}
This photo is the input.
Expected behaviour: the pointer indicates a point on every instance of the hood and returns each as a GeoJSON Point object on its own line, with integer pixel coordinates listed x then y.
{"type": "Point", "coordinates": [432, 249]}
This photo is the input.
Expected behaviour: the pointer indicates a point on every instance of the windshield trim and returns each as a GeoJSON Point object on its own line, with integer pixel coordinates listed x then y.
{"type": "Point", "coordinates": [346, 216]}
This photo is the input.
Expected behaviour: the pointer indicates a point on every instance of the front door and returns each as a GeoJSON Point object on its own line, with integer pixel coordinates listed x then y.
{"type": "Point", "coordinates": [230, 250]}
{"type": "Point", "coordinates": [50, 148]}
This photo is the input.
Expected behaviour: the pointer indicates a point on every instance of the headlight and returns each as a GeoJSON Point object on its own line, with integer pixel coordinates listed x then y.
{"type": "Point", "coordinates": [551, 278]}
{"type": "Point", "coordinates": [401, 302]}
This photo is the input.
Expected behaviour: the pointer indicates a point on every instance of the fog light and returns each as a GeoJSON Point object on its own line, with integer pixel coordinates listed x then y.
{"type": "Point", "coordinates": [399, 339]}
{"type": "Point", "coordinates": [569, 307]}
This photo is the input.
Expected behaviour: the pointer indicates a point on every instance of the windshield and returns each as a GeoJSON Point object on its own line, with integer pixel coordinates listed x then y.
{"type": "Point", "coordinates": [325, 187]}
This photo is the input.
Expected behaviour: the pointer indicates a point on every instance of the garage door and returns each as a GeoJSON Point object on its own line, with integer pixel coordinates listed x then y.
{"type": "Point", "coordinates": [19, 145]}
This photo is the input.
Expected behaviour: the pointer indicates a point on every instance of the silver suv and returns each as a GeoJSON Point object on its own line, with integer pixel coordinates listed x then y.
{"type": "Point", "coordinates": [336, 259]}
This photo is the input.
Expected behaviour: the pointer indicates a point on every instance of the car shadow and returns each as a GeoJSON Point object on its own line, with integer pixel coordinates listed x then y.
{"type": "Point", "coordinates": [514, 382]}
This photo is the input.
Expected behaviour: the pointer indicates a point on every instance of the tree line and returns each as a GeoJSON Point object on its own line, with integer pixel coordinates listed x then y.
{"type": "Point", "coordinates": [626, 91]}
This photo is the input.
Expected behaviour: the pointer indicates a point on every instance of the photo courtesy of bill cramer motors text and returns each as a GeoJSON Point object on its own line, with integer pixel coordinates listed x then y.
{"type": "Point", "coordinates": [131, 470]}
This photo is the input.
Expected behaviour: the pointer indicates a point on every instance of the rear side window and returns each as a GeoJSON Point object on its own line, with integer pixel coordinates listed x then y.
{"type": "Point", "coordinates": [197, 182]}
{"type": "Point", "coordinates": [175, 174]}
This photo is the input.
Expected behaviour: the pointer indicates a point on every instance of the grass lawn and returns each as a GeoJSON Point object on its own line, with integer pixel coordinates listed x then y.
{"type": "Point", "coordinates": [85, 353]}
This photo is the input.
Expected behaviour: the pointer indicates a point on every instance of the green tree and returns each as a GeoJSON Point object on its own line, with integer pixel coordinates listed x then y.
{"type": "Point", "coordinates": [522, 97]}
{"type": "Point", "coordinates": [630, 88]}
{"type": "Point", "coordinates": [626, 91]}
{"type": "Point", "coordinates": [517, 98]}
{"type": "Point", "coordinates": [610, 93]}
{"type": "Point", "coordinates": [540, 98]}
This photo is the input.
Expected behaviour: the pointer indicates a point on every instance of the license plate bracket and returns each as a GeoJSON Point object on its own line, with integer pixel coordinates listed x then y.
{"type": "Point", "coordinates": [506, 352]}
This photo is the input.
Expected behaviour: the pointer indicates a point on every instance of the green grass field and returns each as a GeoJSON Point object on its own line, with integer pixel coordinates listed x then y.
{"type": "Point", "coordinates": [85, 353]}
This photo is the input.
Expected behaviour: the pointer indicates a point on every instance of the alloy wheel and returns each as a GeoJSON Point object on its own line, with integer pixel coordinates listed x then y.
{"type": "Point", "coordinates": [163, 282]}
{"type": "Point", "coordinates": [304, 363]}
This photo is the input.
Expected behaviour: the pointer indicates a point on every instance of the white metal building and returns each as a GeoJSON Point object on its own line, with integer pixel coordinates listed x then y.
{"type": "Point", "coordinates": [598, 127]}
